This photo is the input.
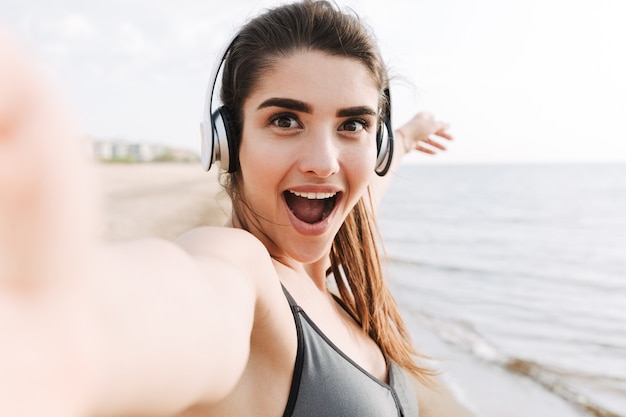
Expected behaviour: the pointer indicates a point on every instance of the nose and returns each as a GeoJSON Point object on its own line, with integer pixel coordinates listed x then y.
{"type": "Point", "coordinates": [320, 155]}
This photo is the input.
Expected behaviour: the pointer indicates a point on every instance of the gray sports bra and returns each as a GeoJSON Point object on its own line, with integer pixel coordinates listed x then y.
{"type": "Point", "coordinates": [327, 383]}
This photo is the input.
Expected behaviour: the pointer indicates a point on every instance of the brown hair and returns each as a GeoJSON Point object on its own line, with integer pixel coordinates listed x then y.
{"type": "Point", "coordinates": [355, 263]}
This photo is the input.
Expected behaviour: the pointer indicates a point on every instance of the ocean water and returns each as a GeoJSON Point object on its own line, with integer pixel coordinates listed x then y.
{"type": "Point", "coordinates": [512, 279]}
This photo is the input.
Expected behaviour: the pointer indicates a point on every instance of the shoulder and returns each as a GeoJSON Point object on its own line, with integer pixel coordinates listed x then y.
{"type": "Point", "coordinates": [234, 247]}
{"type": "Point", "coordinates": [225, 243]}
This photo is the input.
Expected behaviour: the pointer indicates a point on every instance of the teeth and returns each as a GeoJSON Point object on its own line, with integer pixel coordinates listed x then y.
{"type": "Point", "coordinates": [313, 196]}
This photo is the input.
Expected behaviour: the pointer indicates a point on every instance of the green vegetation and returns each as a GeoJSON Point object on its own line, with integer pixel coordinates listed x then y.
{"type": "Point", "coordinates": [120, 160]}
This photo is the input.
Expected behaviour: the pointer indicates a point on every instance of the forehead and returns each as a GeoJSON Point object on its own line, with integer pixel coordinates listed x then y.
{"type": "Point", "coordinates": [319, 79]}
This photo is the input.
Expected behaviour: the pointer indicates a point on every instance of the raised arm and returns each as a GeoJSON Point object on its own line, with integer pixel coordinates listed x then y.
{"type": "Point", "coordinates": [423, 133]}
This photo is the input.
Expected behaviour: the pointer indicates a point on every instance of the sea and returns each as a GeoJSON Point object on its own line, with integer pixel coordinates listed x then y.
{"type": "Point", "coordinates": [512, 280]}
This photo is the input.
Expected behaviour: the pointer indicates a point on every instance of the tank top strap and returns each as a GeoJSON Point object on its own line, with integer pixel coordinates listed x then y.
{"type": "Point", "coordinates": [343, 305]}
{"type": "Point", "coordinates": [294, 305]}
{"type": "Point", "coordinates": [292, 302]}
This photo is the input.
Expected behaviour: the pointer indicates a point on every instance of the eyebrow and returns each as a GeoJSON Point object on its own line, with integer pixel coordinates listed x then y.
{"type": "Point", "coordinates": [356, 111]}
{"type": "Point", "coordinates": [297, 105]}
{"type": "Point", "coordinates": [286, 103]}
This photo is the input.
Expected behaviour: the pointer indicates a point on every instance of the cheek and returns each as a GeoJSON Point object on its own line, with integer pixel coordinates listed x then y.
{"type": "Point", "coordinates": [360, 163]}
{"type": "Point", "coordinates": [260, 171]}
{"type": "Point", "coordinates": [363, 158]}
{"type": "Point", "coordinates": [257, 152]}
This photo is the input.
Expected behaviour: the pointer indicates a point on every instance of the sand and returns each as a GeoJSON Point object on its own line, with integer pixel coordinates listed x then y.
{"type": "Point", "coordinates": [163, 200]}
{"type": "Point", "coordinates": [166, 200]}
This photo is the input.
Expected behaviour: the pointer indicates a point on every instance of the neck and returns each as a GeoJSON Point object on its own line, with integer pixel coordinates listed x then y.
{"type": "Point", "coordinates": [317, 272]}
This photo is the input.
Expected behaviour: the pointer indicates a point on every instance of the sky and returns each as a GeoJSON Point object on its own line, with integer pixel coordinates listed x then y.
{"type": "Point", "coordinates": [519, 81]}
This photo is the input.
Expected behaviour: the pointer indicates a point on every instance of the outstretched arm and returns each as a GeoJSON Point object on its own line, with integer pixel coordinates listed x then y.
{"type": "Point", "coordinates": [143, 328]}
{"type": "Point", "coordinates": [423, 133]}
{"type": "Point", "coordinates": [48, 346]}
{"type": "Point", "coordinates": [174, 326]}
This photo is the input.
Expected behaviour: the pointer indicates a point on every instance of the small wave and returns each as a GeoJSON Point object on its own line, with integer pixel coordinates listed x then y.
{"type": "Point", "coordinates": [412, 262]}
{"type": "Point", "coordinates": [465, 336]}
{"type": "Point", "coordinates": [553, 384]}
{"type": "Point", "coordinates": [449, 268]}
{"type": "Point", "coordinates": [609, 285]}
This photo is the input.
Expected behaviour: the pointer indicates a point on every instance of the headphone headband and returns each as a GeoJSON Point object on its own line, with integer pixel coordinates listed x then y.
{"type": "Point", "coordinates": [213, 149]}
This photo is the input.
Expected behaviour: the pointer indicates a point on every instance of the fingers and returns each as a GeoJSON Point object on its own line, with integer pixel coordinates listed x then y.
{"type": "Point", "coordinates": [443, 132]}
{"type": "Point", "coordinates": [434, 144]}
{"type": "Point", "coordinates": [437, 131]}
{"type": "Point", "coordinates": [425, 150]}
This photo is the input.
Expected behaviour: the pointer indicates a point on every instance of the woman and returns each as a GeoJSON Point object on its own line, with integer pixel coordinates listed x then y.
{"type": "Point", "coordinates": [239, 320]}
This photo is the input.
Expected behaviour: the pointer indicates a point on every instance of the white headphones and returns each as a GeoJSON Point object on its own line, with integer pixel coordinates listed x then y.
{"type": "Point", "coordinates": [213, 128]}
{"type": "Point", "coordinates": [220, 141]}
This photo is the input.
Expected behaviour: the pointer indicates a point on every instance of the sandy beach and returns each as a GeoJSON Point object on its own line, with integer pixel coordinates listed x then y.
{"type": "Point", "coordinates": [165, 200]}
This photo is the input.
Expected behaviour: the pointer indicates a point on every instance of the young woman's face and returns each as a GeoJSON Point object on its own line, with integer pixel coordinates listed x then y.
{"type": "Point", "coordinates": [308, 151]}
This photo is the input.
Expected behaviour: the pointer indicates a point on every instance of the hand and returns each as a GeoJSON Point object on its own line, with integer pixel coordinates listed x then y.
{"type": "Point", "coordinates": [424, 133]}
{"type": "Point", "coordinates": [45, 332]}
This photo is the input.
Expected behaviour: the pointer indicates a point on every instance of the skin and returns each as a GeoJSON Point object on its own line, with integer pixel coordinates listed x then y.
{"type": "Point", "coordinates": [42, 300]}
{"type": "Point", "coordinates": [423, 133]}
{"type": "Point", "coordinates": [312, 147]}
{"type": "Point", "coordinates": [319, 151]}
{"type": "Point", "coordinates": [193, 327]}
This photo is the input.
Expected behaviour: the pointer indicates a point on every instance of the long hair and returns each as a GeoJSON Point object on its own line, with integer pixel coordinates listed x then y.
{"type": "Point", "coordinates": [355, 263]}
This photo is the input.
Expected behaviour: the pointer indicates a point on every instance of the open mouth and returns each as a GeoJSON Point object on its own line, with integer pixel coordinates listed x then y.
{"type": "Point", "coordinates": [310, 208]}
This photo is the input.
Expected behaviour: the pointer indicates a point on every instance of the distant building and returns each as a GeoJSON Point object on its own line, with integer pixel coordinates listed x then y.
{"type": "Point", "coordinates": [120, 150]}
{"type": "Point", "coordinates": [144, 152]}
{"type": "Point", "coordinates": [102, 150]}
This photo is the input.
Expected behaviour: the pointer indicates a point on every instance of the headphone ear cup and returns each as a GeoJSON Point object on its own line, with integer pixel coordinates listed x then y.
{"type": "Point", "coordinates": [207, 151]}
{"type": "Point", "coordinates": [225, 140]}
{"type": "Point", "coordinates": [379, 142]}
{"type": "Point", "coordinates": [384, 138]}
{"type": "Point", "coordinates": [384, 147]}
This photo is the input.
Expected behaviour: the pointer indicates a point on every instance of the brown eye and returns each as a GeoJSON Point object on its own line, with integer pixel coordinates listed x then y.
{"type": "Point", "coordinates": [285, 121]}
{"type": "Point", "coordinates": [354, 125]}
